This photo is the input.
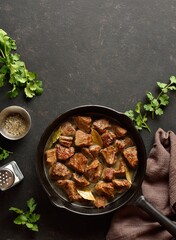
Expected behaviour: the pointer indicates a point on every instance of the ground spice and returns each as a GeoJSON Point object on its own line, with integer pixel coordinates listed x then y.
{"type": "Point", "coordinates": [15, 124]}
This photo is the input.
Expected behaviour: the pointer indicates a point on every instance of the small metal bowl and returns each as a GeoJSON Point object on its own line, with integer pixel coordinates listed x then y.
{"type": "Point", "coordinates": [15, 122]}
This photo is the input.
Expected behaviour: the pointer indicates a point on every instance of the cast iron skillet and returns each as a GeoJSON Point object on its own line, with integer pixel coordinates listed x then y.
{"type": "Point", "coordinates": [133, 196]}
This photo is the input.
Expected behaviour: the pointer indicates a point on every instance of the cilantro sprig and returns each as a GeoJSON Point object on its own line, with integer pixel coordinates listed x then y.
{"type": "Point", "coordinates": [4, 153]}
{"type": "Point", "coordinates": [154, 105]}
{"type": "Point", "coordinates": [28, 218]}
{"type": "Point", "coordinates": [14, 71]}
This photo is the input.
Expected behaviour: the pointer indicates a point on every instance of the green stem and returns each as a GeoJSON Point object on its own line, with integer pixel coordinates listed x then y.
{"type": "Point", "coordinates": [2, 53]}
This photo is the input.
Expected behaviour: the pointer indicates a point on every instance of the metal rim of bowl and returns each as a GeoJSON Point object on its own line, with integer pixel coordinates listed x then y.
{"type": "Point", "coordinates": [10, 110]}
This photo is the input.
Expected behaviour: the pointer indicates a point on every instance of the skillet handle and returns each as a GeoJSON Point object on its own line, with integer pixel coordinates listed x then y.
{"type": "Point", "coordinates": [159, 217]}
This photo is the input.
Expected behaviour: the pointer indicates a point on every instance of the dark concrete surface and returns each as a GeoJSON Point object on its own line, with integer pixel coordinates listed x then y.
{"type": "Point", "coordinates": [86, 52]}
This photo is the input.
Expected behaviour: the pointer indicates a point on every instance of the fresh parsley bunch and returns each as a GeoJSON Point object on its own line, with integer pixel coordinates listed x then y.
{"type": "Point", "coordinates": [154, 105]}
{"type": "Point", "coordinates": [28, 218]}
{"type": "Point", "coordinates": [13, 70]}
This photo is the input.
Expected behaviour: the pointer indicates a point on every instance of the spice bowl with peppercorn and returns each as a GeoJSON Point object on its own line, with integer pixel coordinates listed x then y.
{"type": "Point", "coordinates": [15, 122]}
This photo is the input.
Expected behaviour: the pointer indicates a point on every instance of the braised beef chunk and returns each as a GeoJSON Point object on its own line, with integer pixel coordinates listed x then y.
{"type": "Point", "coordinates": [83, 123]}
{"type": "Point", "coordinates": [123, 143]}
{"type": "Point", "coordinates": [80, 180]}
{"type": "Point", "coordinates": [66, 141]}
{"type": "Point", "coordinates": [86, 152]}
{"type": "Point", "coordinates": [121, 172]}
{"type": "Point", "coordinates": [105, 189]}
{"type": "Point", "coordinates": [64, 153]}
{"type": "Point", "coordinates": [83, 139]}
{"type": "Point", "coordinates": [101, 125]}
{"type": "Point", "coordinates": [60, 171]}
{"type": "Point", "coordinates": [119, 131]}
{"type": "Point", "coordinates": [70, 189]}
{"type": "Point", "coordinates": [108, 174]}
{"type": "Point", "coordinates": [93, 171]}
{"type": "Point", "coordinates": [78, 162]}
{"type": "Point", "coordinates": [100, 202]}
{"type": "Point", "coordinates": [121, 184]}
{"type": "Point", "coordinates": [131, 156]}
{"type": "Point", "coordinates": [108, 138]}
{"type": "Point", "coordinates": [94, 150]}
{"type": "Point", "coordinates": [109, 155]}
{"type": "Point", "coordinates": [51, 156]}
{"type": "Point", "coordinates": [68, 129]}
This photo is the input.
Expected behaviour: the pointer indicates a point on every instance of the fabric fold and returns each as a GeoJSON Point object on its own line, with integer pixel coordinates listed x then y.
{"type": "Point", "coordinates": [159, 188]}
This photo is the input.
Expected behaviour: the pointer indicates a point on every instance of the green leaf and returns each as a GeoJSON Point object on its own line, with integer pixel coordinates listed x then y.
{"type": "Point", "coordinates": [39, 88]}
{"type": "Point", "coordinates": [173, 79]}
{"type": "Point", "coordinates": [161, 85]}
{"type": "Point", "coordinates": [17, 210]}
{"type": "Point", "coordinates": [139, 121]}
{"type": "Point", "coordinates": [138, 107]}
{"type": "Point", "coordinates": [29, 225]}
{"type": "Point", "coordinates": [14, 92]}
{"type": "Point", "coordinates": [155, 103]}
{"type": "Point", "coordinates": [159, 111]}
{"type": "Point", "coordinates": [33, 227]}
{"type": "Point", "coordinates": [31, 76]}
{"type": "Point", "coordinates": [164, 100]}
{"type": "Point", "coordinates": [29, 93]}
{"type": "Point", "coordinates": [31, 205]}
{"type": "Point", "coordinates": [148, 107]}
{"type": "Point", "coordinates": [172, 88]}
{"type": "Point", "coordinates": [34, 217]}
{"type": "Point", "coordinates": [20, 220]}
{"type": "Point", "coordinates": [149, 96]}
{"type": "Point", "coordinates": [130, 114]}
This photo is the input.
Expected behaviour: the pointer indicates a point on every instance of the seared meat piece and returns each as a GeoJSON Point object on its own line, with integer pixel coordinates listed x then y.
{"type": "Point", "coordinates": [101, 125]}
{"type": "Point", "coordinates": [119, 131]}
{"type": "Point", "coordinates": [64, 153]}
{"type": "Point", "coordinates": [108, 174]}
{"type": "Point", "coordinates": [59, 171]}
{"type": "Point", "coordinates": [105, 189]}
{"type": "Point", "coordinates": [108, 138]}
{"type": "Point", "coordinates": [109, 155]}
{"type": "Point", "coordinates": [131, 156]}
{"type": "Point", "coordinates": [82, 139]}
{"type": "Point", "coordinates": [121, 172]}
{"type": "Point", "coordinates": [80, 181]}
{"type": "Point", "coordinates": [78, 162]}
{"type": "Point", "coordinates": [66, 141]}
{"type": "Point", "coordinates": [94, 150]}
{"type": "Point", "coordinates": [69, 187]}
{"type": "Point", "coordinates": [123, 143]}
{"type": "Point", "coordinates": [83, 123]}
{"type": "Point", "coordinates": [68, 129]}
{"type": "Point", "coordinates": [93, 171]}
{"type": "Point", "coordinates": [121, 184]}
{"type": "Point", "coordinates": [86, 152]}
{"type": "Point", "coordinates": [51, 156]}
{"type": "Point", "coordinates": [100, 202]}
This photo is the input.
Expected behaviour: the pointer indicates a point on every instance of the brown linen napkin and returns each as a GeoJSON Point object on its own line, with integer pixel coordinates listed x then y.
{"type": "Point", "coordinates": [159, 188]}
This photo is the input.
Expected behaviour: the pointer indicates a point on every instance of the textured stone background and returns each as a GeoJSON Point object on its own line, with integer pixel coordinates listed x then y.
{"type": "Point", "coordinates": [103, 52]}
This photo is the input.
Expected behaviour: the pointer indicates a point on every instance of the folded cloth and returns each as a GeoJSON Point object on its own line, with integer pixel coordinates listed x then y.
{"type": "Point", "coordinates": [159, 188]}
